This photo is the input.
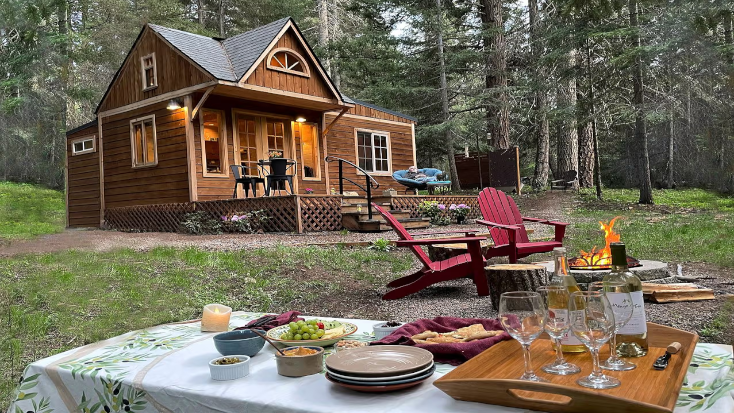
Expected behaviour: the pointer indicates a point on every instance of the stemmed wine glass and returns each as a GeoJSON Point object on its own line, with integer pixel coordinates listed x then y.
{"type": "Point", "coordinates": [592, 321]}
{"type": "Point", "coordinates": [521, 315]}
{"type": "Point", "coordinates": [618, 294]}
{"type": "Point", "coordinates": [557, 324]}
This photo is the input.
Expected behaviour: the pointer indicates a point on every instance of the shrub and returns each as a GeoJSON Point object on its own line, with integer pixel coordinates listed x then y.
{"type": "Point", "coordinates": [249, 223]}
{"type": "Point", "coordinates": [381, 244]}
{"type": "Point", "coordinates": [435, 211]}
{"type": "Point", "coordinates": [200, 223]}
{"type": "Point", "coordinates": [460, 211]}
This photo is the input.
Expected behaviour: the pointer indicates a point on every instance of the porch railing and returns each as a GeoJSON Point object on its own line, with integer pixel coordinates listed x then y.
{"type": "Point", "coordinates": [370, 182]}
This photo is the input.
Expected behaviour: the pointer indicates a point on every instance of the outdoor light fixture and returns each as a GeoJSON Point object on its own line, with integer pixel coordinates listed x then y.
{"type": "Point", "coordinates": [174, 104]}
{"type": "Point", "coordinates": [300, 119]}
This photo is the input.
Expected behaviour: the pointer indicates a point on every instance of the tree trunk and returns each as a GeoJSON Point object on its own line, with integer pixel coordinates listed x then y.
{"type": "Point", "coordinates": [568, 151]}
{"type": "Point", "coordinates": [671, 153]}
{"type": "Point", "coordinates": [200, 11]}
{"type": "Point", "coordinates": [513, 277]}
{"type": "Point", "coordinates": [542, 135]}
{"type": "Point", "coordinates": [449, 137]}
{"type": "Point", "coordinates": [221, 18]}
{"type": "Point", "coordinates": [334, 21]}
{"type": "Point", "coordinates": [323, 6]}
{"type": "Point", "coordinates": [592, 113]}
{"type": "Point", "coordinates": [729, 42]}
{"type": "Point", "coordinates": [639, 105]}
{"type": "Point", "coordinates": [498, 118]}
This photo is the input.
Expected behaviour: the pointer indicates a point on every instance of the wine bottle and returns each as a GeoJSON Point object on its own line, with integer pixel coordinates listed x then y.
{"type": "Point", "coordinates": [562, 277]}
{"type": "Point", "coordinates": [632, 337]}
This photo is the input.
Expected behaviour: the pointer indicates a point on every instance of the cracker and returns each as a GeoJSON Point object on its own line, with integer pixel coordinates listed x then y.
{"type": "Point", "coordinates": [470, 331]}
{"type": "Point", "coordinates": [424, 335]}
{"type": "Point", "coordinates": [484, 334]}
{"type": "Point", "coordinates": [444, 339]}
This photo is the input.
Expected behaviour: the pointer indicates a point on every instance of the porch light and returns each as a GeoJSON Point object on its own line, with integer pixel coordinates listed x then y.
{"type": "Point", "coordinates": [174, 104]}
{"type": "Point", "coordinates": [300, 119]}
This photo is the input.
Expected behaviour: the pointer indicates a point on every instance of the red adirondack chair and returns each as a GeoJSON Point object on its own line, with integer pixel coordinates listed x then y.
{"type": "Point", "coordinates": [507, 229]}
{"type": "Point", "coordinates": [470, 264]}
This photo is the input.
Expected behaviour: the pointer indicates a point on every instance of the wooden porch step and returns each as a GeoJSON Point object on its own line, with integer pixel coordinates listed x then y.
{"type": "Point", "coordinates": [364, 216]}
{"type": "Point", "coordinates": [351, 223]}
{"type": "Point", "coordinates": [350, 207]}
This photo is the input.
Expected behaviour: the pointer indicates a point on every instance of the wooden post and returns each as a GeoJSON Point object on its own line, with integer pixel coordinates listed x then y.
{"type": "Point", "coordinates": [513, 277]}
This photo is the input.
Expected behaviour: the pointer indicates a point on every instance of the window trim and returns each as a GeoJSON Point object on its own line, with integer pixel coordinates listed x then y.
{"type": "Point", "coordinates": [155, 72]}
{"type": "Point", "coordinates": [133, 152]}
{"type": "Point", "coordinates": [93, 138]}
{"type": "Point", "coordinates": [316, 178]}
{"type": "Point", "coordinates": [306, 70]}
{"type": "Point", "coordinates": [373, 132]}
{"type": "Point", "coordinates": [223, 155]}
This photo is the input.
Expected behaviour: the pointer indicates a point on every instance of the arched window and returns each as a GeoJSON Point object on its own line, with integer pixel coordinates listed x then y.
{"type": "Point", "coordinates": [286, 60]}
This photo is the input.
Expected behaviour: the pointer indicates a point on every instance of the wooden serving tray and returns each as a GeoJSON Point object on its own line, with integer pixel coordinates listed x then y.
{"type": "Point", "coordinates": [491, 378]}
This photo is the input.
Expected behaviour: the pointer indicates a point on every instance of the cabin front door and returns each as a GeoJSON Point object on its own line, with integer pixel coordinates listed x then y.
{"type": "Point", "coordinates": [256, 137]}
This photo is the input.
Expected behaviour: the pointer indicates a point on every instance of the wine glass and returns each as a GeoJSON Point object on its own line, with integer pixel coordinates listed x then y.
{"type": "Point", "coordinates": [618, 294]}
{"type": "Point", "coordinates": [521, 315]}
{"type": "Point", "coordinates": [592, 321]}
{"type": "Point", "coordinates": [557, 324]}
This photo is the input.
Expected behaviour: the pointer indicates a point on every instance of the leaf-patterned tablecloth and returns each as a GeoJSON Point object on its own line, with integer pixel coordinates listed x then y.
{"type": "Point", "coordinates": [164, 369]}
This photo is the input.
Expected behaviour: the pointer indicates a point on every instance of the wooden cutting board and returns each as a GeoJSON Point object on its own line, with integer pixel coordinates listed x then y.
{"type": "Point", "coordinates": [491, 378]}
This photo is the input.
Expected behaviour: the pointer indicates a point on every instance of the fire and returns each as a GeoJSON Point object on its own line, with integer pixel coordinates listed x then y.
{"type": "Point", "coordinates": [598, 257]}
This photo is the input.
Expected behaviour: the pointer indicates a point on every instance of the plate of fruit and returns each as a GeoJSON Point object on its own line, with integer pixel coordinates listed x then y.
{"type": "Point", "coordinates": [313, 332]}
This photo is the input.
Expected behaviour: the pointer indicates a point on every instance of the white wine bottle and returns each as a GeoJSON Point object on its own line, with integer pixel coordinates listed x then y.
{"type": "Point", "coordinates": [632, 337]}
{"type": "Point", "coordinates": [562, 277]}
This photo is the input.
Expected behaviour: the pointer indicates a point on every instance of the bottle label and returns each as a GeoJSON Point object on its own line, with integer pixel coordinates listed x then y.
{"type": "Point", "coordinates": [638, 322]}
{"type": "Point", "coordinates": [569, 339]}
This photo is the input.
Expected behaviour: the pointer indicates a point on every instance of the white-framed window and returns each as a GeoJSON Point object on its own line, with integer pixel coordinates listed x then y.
{"type": "Point", "coordinates": [143, 142]}
{"type": "Point", "coordinates": [373, 151]}
{"type": "Point", "coordinates": [214, 143]}
{"type": "Point", "coordinates": [83, 145]}
{"type": "Point", "coordinates": [149, 72]}
{"type": "Point", "coordinates": [288, 61]}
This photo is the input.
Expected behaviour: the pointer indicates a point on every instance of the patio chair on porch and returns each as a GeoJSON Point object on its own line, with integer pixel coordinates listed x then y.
{"type": "Point", "coordinates": [470, 264]}
{"type": "Point", "coordinates": [247, 182]}
{"type": "Point", "coordinates": [506, 227]}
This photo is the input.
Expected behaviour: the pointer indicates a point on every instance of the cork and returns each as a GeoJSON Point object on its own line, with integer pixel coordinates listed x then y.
{"type": "Point", "coordinates": [674, 347]}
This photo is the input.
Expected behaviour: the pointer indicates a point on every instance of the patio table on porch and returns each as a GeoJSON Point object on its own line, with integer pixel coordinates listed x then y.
{"type": "Point", "coordinates": [164, 369]}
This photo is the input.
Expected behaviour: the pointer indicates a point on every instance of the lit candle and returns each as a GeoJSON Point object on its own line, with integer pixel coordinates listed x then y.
{"type": "Point", "coordinates": [215, 318]}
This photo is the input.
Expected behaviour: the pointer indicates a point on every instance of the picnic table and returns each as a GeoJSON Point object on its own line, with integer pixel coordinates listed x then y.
{"type": "Point", "coordinates": [164, 369]}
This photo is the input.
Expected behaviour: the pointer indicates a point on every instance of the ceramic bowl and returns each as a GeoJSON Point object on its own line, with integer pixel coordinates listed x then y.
{"type": "Point", "coordinates": [230, 371]}
{"type": "Point", "coordinates": [299, 366]}
{"type": "Point", "coordinates": [239, 342]}
{"type": "Point", "coordinates": [382, 332]}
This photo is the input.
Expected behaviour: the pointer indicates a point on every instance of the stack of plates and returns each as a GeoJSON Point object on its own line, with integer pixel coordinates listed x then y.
{"type": "Point", "coordinates": [380, 368]}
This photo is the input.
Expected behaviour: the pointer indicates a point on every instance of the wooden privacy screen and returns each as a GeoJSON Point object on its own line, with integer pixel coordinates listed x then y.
{"type": "Point", "coordinates": [499, 169]}
{"type": "Point", "coordinates": [295, 213]}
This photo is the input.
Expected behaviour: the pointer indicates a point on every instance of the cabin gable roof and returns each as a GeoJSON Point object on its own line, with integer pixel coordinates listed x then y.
{"type": "Point", "coordinates": [246, 48]}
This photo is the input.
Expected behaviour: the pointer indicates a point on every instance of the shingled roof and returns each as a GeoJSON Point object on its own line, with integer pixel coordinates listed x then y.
{"type": "Point", "coordinates": [229, 59]}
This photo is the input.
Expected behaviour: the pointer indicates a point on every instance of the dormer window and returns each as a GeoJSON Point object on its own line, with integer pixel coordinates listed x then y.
{"type": "Point", "coordinates": [288, 61]}
{"type": "Point", "coordinates": [150, 73]}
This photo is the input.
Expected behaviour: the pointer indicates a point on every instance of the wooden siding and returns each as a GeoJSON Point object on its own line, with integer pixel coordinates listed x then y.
{"type": "Point", "coordinates": [174, 72]}
{"type": "Point", "coordinates": [82, 191]}
{"type": "Point", "coordinates": [313, 85]}
{"type": "Point", "coordinates": [167, 182]}
{"type": "Point", "coordinates": [361, 110]}
{"type": "Point", "coordinates": [341, 143]}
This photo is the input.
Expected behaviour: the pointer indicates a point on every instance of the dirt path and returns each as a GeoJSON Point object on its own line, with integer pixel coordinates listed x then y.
{"type": "Point", "coordinates": [552, 205]}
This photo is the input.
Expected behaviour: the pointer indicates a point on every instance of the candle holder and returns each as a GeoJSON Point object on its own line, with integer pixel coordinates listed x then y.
{"type": "Point", "coordinates": [216, 318]}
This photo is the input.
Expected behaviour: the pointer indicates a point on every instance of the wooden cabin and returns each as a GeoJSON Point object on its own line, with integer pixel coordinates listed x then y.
{"type": "Point", "coordinates": [183, 107]}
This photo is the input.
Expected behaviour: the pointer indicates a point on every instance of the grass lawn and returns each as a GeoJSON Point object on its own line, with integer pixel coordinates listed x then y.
{"type": "Point", "coordinates": [55, 302]}
{"type": "Point", "coordinates": [30, 210]}
{"type": "Point", "coordinates": [684, 226]}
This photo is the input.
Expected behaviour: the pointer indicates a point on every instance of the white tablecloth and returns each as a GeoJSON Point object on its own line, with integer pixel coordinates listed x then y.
{"type": "Point", "coordinates": [165, 369]}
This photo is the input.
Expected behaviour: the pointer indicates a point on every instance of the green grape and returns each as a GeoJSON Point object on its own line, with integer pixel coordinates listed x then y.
{"type": "Point", "coordinates": [320, 333]}
{"type": "Point", "coordinates": [313, 322]}
{"type": "Point", "coordinates": [304, 329]}
{"type": "Point", "coordinates": [312, 331]}
{"type": "Point", "coordinates": [290, 336]}
{"type": "Point", "coordinates": [306, 336]}
{"type": "Point", "coordinates": [297, 337]}
{"type": "Point", "coordinates": [284, 336]}
{"type": "Point", "coordinates": [293, 327]}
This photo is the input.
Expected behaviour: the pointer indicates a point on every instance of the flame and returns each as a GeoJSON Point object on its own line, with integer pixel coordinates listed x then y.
{"type": "Point", "coordinates": [598, 257]}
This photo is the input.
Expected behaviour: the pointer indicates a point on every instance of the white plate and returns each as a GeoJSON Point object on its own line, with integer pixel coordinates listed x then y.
{"type": "Point", "coordinates": [386, 378]}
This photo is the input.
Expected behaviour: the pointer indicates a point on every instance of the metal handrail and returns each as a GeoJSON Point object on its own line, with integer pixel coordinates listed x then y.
{"type": "Point", "coordinates": [370, 182]}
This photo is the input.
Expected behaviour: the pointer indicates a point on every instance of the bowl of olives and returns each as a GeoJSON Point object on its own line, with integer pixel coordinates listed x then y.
{"type": "Point", "coordinates": [229, 367]}
{"type": "Point", "coordinates": [383, 330]}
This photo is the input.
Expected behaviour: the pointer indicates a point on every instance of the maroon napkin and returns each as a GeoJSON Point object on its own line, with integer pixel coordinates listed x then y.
{"type": "Point", "coordinates": [278, 321]}
{"type": "Point", "coordinates": [449, 353]}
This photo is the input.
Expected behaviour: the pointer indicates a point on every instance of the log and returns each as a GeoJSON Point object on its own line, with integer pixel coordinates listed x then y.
{"type": "Point", "coordinates": [513, 277]}
{"type": "Point", "coordinates": [649, 288]}
{"type": "Point", "coordinates": [672, 296]}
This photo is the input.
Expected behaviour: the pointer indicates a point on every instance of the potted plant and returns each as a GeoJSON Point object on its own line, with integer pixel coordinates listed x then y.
{"type": "Point", "coordinates": [460, 212]}
{"type": "Point", "coordinates": [389, 192]}
{"type": "Point", "coordinates": [309, 191]}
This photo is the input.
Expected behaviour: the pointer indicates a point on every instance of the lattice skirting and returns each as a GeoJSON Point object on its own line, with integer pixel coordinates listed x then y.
{"type": "Point", "coordinates": [321, 213]}
{"type": "Point", "coordinates": [281, 210]}
{"type": "Point", "coordinates": [155, 218]}
{"type": "Point", "coordinates": [411, 202]}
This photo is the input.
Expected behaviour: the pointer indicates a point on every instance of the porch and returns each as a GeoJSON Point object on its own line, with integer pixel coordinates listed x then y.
{"type": "Point", "coordinates": [291, 213]}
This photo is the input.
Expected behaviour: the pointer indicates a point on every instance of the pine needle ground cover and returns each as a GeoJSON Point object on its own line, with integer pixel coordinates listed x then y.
{"type": "Point", "coordinates": [30, 210]}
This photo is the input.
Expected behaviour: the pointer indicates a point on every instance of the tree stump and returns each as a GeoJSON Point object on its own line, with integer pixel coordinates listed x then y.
{"type": "Point", "coordinates": [442, 252]}
{"type": "Point", "coordinates": [504, 278]}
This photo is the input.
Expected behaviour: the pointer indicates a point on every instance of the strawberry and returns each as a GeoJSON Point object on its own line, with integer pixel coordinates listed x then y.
{"type": "Point", "coordinates": [320, 325]}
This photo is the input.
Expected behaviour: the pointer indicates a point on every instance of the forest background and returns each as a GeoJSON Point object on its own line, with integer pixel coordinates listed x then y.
{"type": "Point", "coordinates": [634, 93]}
